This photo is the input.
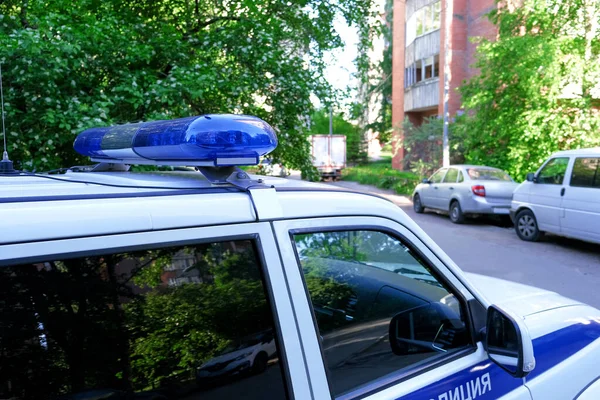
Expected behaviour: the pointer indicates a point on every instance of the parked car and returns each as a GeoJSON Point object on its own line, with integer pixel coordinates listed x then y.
{"type": "Point", "coordinates": [562, 197]}
{"type": "Point", "coordinates": [463, 190]}
{"type": "Point", "coordinates": [250, 355]}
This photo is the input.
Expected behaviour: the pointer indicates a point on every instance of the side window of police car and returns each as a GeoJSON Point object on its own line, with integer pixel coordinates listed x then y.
{"type": "Point", "coordinates": [381, 312]}
{"type": "Point", "coordinates": [189, 322]}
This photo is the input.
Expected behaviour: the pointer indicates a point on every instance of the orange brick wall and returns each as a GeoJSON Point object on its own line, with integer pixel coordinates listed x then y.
{"type": "Point", "coordinates": [398, 49]}
{"type": "Point", "coordinates": [468, 20]}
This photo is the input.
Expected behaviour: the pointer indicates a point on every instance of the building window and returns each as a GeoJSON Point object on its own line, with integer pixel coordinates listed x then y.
{"type": "Point", "coordinates": [424, 69]}
{"type": "Point", "coordinates": [424, 20]}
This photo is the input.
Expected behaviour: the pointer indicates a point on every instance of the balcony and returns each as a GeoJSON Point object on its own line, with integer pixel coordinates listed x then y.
{"type": "Point", "coordinates": [422, 47]}
{"type": "Point", "coordinates": [422, 95]}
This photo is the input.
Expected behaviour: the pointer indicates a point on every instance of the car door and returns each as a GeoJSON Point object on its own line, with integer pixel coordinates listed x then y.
{"type": "Point", "coordinates": [546, 193]}
{"type": "Point", "coordinates": [448, 187]}
{"type": "Point", "coordinates": [430, 196]}
{"type": "Point", "coordinates": [358, 286]}
{"type": "Point", "coordinates": [581, 200]}
{"type": "Point", "coordinates": [152, 312]}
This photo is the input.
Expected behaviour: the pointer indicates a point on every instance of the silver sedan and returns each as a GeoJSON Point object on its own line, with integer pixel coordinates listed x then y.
{"type": "Point", "coordinates": [464, 190]}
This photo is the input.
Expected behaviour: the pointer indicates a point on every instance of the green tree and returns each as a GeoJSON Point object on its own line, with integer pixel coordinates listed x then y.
{"type": "Point", "coordinates": [73, 65]}
{"type": "Point", "coordinates": [380, 86]}
{"type": "Point", "coordinates": [539, 87]}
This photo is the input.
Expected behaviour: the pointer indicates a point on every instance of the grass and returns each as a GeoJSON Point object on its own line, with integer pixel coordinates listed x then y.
{"type": "Point", "coordinates": [381, 174]}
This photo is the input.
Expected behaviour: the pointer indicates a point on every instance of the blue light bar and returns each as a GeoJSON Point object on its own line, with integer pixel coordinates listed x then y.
{"type": "Point", "coordinates": [208, 140]}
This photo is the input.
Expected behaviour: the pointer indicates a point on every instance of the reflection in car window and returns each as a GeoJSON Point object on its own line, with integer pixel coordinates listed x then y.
{"type": "Point", "coordinates": [586, 172]}
{"type": "Point", "coordinates": [488, 174]}
{"type": "Point", "coordinates": [554, 171]}
{"type": "Point", "coordinates": [438, 176]}
{"type": "Point", "coordinates": [187, 322]}
{"type": "Point", "coordinates": [365, 286]}
{"type": "Point", "coordinates": [451, 176]}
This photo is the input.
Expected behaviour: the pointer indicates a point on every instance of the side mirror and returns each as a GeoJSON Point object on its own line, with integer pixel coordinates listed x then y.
{"type": "Point", "coordinates": [531, 177]}
{"type": "Point", "coordinates": [508, 342]}
{"type": "Point", "coordinates": [432, 327]}
{"type": "Point", "coordinates": [425, 180]}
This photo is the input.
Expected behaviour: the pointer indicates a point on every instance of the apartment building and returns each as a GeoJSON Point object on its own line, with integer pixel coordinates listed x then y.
{"type": "Point", "coordinates": [431, 48]}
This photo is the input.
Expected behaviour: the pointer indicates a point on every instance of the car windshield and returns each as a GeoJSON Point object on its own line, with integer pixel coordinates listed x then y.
{"type": "Point", "coordinates": [488, 174]}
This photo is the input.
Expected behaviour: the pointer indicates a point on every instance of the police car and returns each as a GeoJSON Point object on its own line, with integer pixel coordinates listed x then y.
{"type": "Point", "coordinates": [114, 280]}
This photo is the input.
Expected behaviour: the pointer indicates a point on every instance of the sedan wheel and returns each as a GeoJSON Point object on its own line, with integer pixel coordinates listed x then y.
{"type": "Point", "coordinates": [526, 226]}
{"type": "Point", "coordinates": [456, 214]}
{"type": "Point", "coordinates": [417, 205]}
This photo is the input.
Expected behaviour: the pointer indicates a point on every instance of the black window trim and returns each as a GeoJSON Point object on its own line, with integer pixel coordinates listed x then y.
{"type": "Point", "coordinates": [254, 238]}
{"type": "Point", "coordinates": [596, 175]}
{"type": "Point", "coordinates": [408, 373]}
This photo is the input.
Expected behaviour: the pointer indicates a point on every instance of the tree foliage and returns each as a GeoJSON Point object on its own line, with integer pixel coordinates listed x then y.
{"type": "Point", "coordinates": [539, 86]}
{"type": "Point", "coordinates": [380, 88]}
{"type": "Point", "coordinates": [73, 65]}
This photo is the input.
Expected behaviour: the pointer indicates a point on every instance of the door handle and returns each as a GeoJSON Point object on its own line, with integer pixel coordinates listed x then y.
{"type": "Point", "coordinates": [435, 187]}
{"type": "Point", "coordinates": [451, 188]}
{"type": "Point", "coordinates": [562, 191]}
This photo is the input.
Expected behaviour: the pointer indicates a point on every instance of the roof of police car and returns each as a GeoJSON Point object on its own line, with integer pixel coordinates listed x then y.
{"type": "Point", "coordinates": [39, 187]}
{"type": "Point", "coordinates": [87, 204]}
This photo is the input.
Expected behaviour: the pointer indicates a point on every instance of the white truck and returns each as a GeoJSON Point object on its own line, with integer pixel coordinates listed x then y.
{"type": "Point", "coordinates": [329, 154]}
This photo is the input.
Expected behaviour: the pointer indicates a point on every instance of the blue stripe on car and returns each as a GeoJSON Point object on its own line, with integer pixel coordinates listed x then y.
{"type": "Point", "coordinates": [553, 348]}
{"type": "Point", "coordinates": [549, 350]}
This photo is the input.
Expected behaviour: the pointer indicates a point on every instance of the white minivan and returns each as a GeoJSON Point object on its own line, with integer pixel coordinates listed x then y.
{"type": "Point", "coordinates": [562, 198]}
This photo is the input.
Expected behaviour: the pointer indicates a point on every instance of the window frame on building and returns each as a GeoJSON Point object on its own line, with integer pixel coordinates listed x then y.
{"type": "Point", "coordinates": [417, 72]}
{"type": "Point", "coordinates": [423, 21]}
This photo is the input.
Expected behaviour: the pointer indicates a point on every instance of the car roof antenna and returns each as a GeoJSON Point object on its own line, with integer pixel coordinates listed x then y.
{"type": "Point", "coordinates": [6, 166]}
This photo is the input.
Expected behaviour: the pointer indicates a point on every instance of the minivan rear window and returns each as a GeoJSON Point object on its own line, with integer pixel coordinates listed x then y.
{"type": "Point", "coordinates": [586, 172]}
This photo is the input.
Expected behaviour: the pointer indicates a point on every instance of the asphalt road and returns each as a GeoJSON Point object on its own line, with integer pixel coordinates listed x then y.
{"type": "Point", "coordinates": [491, 247]}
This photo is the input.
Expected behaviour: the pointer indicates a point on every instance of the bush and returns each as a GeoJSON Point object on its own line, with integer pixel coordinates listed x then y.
{"type": "Point", "coordinates": [382, 175]}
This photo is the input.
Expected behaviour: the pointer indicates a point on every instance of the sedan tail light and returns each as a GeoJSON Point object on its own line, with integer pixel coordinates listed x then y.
{"type": "Point", "coordinates": [478, 190]}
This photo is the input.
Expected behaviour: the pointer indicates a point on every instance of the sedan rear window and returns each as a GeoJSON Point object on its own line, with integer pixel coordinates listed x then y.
{"type": "Point", "coordinates": [488, 174]}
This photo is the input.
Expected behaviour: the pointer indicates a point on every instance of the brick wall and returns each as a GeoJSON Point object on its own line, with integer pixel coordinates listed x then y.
{"type": "Point", "coordinates": [467, 20]}
{"type": "Point", "coordinates": [398, 50]}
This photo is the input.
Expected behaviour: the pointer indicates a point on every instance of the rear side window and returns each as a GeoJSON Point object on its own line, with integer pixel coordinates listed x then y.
{"type": "Point", "coordinates": [554, 171]}
{"type": "Point", "coordinates": [451, 176]}
{"type": "Point", "coordinates": [586, 173]}
{"type": "Point", "coordinates": [460, 177]}
{"type": "Point", "coordinates": [380, 310]}
{"type": "Point", "coordinates": [172, 322]}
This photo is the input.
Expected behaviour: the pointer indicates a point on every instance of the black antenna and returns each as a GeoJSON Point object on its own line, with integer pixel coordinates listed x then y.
{"type": "Point", "coordinates": [6, 166]}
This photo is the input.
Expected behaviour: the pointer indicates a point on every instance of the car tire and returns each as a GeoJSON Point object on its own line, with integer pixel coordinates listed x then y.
{"type": "Point", "coordinates": [456, 214]}
{"type": "Point", "coordinates": [260, 363]}
{"type": "Point", "coordinates": [526, 226]}
{"type": "Point", "coordinates": [417, 205]}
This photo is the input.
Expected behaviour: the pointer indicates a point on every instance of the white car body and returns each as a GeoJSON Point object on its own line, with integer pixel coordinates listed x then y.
{"type": "Point", "coordinates": [329, 154]}
{"type": "Point", "coordinates": [237, 361]}
{"type": "Point", "coordinates": [568, 208]}
{"type": "Point", "coordinates": [44, 218]}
